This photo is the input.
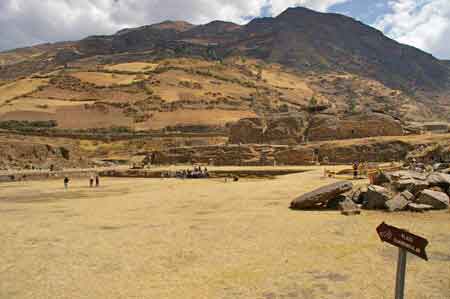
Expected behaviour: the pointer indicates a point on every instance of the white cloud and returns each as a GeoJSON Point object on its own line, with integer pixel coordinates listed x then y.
{"type": "Point", "coordinates": [424, 24]}
{"type": "Point", "coordinates": [320, 5]}
{"type": "Point", "coordinates": [26, 22]}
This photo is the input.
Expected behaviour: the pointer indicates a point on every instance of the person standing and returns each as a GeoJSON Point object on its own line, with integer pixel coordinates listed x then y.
{"type": "Point", "coordinates": [97, 181]}
{"type": "Point", "coordinates": [66, 183]}
{"type": "Point", "coordinates": [355, 170]}
{"type": "Point", "coordinates": [91, 181]}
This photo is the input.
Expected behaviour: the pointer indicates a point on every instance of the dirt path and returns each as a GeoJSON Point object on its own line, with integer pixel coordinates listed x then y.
{"type": "Point", "coordinates": [155, 238]}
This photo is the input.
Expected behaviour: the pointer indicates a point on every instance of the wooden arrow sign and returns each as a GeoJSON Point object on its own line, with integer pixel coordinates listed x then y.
{"type": "Point", "coordinates": [403, 239]}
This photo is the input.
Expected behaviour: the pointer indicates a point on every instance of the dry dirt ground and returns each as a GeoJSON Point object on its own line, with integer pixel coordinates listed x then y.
{"type": "Point", "coordinates": [169, 238]}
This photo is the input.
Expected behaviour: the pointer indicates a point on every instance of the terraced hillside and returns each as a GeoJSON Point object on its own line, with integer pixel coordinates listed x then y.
{"type": "Point", "coordinates": [178, 77]}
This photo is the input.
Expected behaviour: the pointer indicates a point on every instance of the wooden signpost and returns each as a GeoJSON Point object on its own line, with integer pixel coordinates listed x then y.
{"type": "Point", "coordinates": [406, 242]}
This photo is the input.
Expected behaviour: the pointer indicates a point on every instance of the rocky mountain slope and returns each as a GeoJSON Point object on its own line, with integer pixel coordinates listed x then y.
{"type": "Point", "coordinates": [312, 75]}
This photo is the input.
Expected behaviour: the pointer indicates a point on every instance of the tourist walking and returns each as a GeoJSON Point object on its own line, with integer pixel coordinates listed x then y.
{"type": "Point", "coordinates": [66, 183]}
{"type": "Point", "coordinates": [91, 181]}
{"type": "Point", "coordinates": [97, 181]}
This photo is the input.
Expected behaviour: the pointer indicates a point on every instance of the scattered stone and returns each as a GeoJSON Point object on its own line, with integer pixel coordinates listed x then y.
{"type": "Point", "coordinates": [320, 197]}
{"type": "Point", "coordinates": [440, 166]}
{"type": "Point", "coordinates": [413, 185]}
{"type": "Point", "coordinates": [399, 202]}
{"type": "Point", "coordinates": [437, 188]}
{"type": "Point", "coordinates": [439, 179]}
{"type": "Point", "coordinates": [381, 178]}
{"type": "Point", "coordinates": [350, 213]}
{"type": "Point", "coordinates": [407, 195]}
{"type": "Point", "coordinates": [348, 207]}
{"type": "Point", "coordinates": [438, 200]}
{"type": "Point", "coordinates": [358, 195]}
{"type": "Point", "coordinates": [417, 207]}
{"type": "Point", "coordinates": [376, 197]}
{"type": "Point", "coordinates": [333, 204]}
{"type": "Point", "coordinates": [407, 174]}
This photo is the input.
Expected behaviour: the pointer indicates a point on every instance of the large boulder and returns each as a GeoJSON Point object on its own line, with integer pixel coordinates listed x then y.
{"type": "Point", "coordinates": [376, 197]}
{"type": "Point", "coordinates": [319, 198]}
{"type": "Point", "coordinates": [438, 200]}
{"type": "Point", "coordinates": [439, 179]}
{"type": "Point", "coordinates": [399, 202]}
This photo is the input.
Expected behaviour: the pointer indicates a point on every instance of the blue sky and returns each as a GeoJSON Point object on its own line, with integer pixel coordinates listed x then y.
{"type": "Point", "coordinates": [424, 24]}
{"type": "Point", "coordinates": [366, 11]}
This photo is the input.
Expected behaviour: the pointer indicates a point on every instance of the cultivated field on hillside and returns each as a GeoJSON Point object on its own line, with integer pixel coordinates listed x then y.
{"type": "Point", "coordinates": [134, 67]}
{"type": "Point", "coordinates": [214, 117]}
{"type": "Point", "coordinates": [19, 88]}
{"type": "Point", "coordinates": [104, 79]}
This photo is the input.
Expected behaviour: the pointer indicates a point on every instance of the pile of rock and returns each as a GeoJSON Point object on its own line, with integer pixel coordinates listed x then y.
{"type": "Point", "coordinates": [408, 190]}
{"type": "Point", "coordinates": [396, 191]}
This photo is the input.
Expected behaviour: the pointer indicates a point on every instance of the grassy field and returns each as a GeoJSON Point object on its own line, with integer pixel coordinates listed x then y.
{"type": "Point", "coordinates": [168, 238]}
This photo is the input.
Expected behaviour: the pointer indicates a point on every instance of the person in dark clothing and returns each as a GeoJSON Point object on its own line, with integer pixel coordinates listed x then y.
{"type": "Point", "coordinates": [91, 181]}
{"type": "Point", "coordinates": [66, 183]}
{"type": "Point", "coordinates": [97, 181]}
{"type": "Point", "coordinates": [355, 170]}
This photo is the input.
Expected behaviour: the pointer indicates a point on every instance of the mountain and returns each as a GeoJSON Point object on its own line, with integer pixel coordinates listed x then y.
{"type": "Point", "coordinates": [306, 40]}
{"type": "Point", "coordinates": [176, 76]}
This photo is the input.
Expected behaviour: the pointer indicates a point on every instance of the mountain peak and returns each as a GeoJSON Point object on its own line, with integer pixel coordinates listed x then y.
{"type": "Point", "coordinates": [178, 26]}
{"type": "Point", "coordinates": [297, 10]}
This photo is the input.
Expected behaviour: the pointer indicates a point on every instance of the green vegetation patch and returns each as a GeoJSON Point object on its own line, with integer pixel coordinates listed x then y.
{"type": "Point", "coordinates": [25, 125]}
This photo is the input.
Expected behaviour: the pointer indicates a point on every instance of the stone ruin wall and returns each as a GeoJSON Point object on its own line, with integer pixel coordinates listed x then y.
{"type": "Point", "coordinates": [348, 129]}
{"type": "Point", "coordinates": [259, 155]}
{"type": "Point", "coordinates": [295, 130]}
{"type": "Point", "coordinates": [28, 155]}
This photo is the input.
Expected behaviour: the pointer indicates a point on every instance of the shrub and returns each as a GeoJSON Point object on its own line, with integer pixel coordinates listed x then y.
{"type": "Point", "coordinates": [25, 125]}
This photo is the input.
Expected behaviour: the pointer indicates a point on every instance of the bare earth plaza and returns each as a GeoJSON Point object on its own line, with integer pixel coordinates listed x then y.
{"type": "Point", "coordinates": [173, 238]}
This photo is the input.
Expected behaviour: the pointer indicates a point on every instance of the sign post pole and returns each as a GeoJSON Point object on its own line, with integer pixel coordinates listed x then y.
{"type": "Point", "coordinates": [401, 272]}
{"type": "Point", "coordinates": [406, 242]}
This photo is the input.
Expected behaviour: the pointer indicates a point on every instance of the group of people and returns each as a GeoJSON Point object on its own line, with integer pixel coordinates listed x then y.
{"type": "Point", "coordinates": [359, 168]}
{"type": "Point", "coordinates": [92, 179]}
{"type": "Point", "coordinates": [196, 173]}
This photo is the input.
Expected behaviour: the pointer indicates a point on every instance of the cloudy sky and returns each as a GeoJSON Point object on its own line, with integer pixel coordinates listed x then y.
{"type": "Point", "coordinates": [424, 24]}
